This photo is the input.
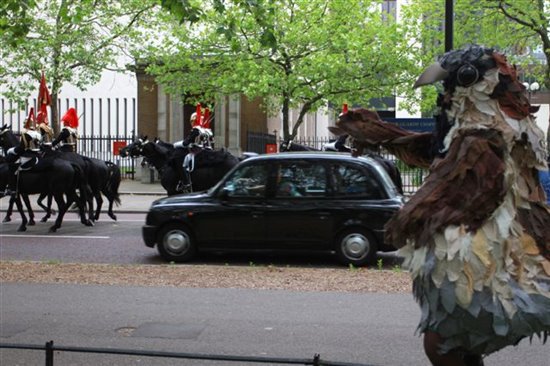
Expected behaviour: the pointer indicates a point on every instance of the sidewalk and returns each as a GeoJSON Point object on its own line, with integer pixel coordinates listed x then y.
{"type": "Point", "coordinates": [136, 196]}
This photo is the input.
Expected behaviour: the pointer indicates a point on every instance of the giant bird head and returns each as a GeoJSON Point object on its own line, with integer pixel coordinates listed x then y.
{"type": "Point", "coordinates": [459, 67]}
{"type": "Point", "coordinates": [482, 89]}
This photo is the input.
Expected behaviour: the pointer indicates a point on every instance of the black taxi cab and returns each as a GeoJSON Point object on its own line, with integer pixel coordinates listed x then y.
{"type": "Point", "coordinates": [307, 201]}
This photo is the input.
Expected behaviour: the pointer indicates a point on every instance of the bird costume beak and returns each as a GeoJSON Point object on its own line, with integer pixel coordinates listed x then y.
{"type": "Point", "coordinates": [432, 74]}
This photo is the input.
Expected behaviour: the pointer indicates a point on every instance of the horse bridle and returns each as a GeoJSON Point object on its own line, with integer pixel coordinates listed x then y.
{"type": "Point", "coordinates": [137, 149]}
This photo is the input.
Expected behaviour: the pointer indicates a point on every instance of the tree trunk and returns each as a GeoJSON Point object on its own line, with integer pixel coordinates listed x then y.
{"type": "Point", "coordinates": [54, 118]}
{"type": "Point", "coordinates": [286, 125]}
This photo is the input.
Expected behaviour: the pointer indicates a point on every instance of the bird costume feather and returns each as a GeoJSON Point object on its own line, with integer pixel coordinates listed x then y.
{"type": "Point", "coordinates": [476, 234]}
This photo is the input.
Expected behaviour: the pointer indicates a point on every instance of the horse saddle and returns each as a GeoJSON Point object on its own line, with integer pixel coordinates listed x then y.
{"type": "Point", "coordinates": [27, 163]}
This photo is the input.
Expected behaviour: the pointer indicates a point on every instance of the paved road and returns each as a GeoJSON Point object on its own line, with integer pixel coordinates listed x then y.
{"type": "Point", "coordinates": [120, 242]}
{"type": "Point", "coordinates": [362, 328]}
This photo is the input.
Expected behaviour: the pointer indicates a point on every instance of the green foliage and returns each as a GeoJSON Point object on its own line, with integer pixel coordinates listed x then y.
{"type": "Point", "coordinates": [15, 20]}
{"type": "Point", "coordinates": [294, 54]}
{"type": "Point", "coordinates": [73, 42]}
{"type": "Point", "coordinates": [513, 27]}
{"type": "Point", "coordinates": [380, 264]}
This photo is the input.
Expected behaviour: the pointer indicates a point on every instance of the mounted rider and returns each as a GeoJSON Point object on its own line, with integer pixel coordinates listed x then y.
{"type": "Point", "coordinates": [201, 138]}
{"type": "Point", "coordinates": [201, 134]}
{"type": "Point", "coordinates": [28, 151]}
{"type": "Point", "coordinates": [68, 136]}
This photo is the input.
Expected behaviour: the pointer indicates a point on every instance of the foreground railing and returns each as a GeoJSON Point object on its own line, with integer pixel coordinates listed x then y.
{"type": "Point", "coordinates": [49, 349]}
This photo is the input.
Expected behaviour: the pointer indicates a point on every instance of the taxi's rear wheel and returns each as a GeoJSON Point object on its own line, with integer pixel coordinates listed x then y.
{"type": "Point", "coordinates": [356, 246]}
{"type": "Point", "coordinates": [176, 244]}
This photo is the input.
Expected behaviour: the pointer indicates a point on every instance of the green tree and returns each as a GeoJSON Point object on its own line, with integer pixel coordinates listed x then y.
{"type": "Point", "coordinates": [512, 26]}
{"type": "Point", "coordinates": [15, 19]}
{"type": "Point", "coordinates": [72, 41]}
{"type": "Point", "coordinates": [295, 54]}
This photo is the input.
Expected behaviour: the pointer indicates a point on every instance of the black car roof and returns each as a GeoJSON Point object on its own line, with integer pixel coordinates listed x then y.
{"type": "Point", "coordinates": [304, 155]}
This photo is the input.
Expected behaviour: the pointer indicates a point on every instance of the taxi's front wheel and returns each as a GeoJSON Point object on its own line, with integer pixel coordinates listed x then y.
{"type": "Point", "coordinates": [176, 244]}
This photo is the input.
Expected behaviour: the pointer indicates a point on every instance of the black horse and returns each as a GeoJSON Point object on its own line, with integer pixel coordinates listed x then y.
{"type": "Point", "coordinates": [103, 177]}
{"type": "Point", "coordinates": [203, 167]}
{"type": "Point", "coordinates": [56, 177]}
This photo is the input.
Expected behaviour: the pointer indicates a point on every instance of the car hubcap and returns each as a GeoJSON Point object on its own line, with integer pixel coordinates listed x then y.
{"type": "Point", "coordinates": [355, 246]}
{"type": "Point", "coordinates": [176, 242]}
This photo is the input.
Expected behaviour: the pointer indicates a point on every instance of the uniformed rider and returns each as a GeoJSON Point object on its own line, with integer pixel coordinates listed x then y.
{"type": "Point", "coordinates": [68, 135]}
{"type": "Point", "coordinates": [28, 150]}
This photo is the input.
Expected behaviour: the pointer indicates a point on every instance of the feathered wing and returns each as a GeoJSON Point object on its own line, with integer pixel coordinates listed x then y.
{"type": "Point", "coordinates": [366, 127]}
{"type": "Point", "coordinates": [464, 188]}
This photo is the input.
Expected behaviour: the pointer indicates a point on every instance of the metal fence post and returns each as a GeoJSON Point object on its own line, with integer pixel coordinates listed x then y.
{"type": "Point", "coordinates": [317, 360]}
{"type": "Point", "coordinates": [49, 353]}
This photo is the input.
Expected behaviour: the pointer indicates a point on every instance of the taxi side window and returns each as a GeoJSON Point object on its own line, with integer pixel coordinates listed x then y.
{"type": "Point", "coordinates": [355, 182]}
{"type": "Point", "coordinates": [299, 179]}
{"type": "Point", "coordinates": [249, 181]}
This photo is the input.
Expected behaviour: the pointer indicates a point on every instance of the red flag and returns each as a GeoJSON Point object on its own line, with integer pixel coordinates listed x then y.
{"type": "Point", "coordinates": [206, 122]}
{"type": "Point", "coordinates": [198, 120]}
{"type": "Point", "coordinates": [44, 100]}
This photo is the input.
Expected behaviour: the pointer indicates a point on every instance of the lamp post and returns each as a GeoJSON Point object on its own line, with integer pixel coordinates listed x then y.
{"type": "Point", "coordinates": [449, 15]}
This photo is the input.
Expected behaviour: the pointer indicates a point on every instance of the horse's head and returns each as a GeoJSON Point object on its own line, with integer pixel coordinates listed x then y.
{"type": "Point", "coordinates": [7, 138]}
{"type": "Point", "coordinates": [135, 149]}
{"type": "Point", "coordinates": [285, 145]}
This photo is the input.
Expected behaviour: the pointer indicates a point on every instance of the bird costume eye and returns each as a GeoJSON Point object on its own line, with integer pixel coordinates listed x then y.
{"type": "Point", "coordinates": [467, 75]}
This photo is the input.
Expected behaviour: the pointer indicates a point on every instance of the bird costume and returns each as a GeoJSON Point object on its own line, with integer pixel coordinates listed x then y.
{"type": "Point", "coordinates": [476, 235]}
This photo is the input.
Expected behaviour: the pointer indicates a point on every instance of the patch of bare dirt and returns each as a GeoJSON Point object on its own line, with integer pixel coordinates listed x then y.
{"type": "Point", "coordinates": [209, 276]}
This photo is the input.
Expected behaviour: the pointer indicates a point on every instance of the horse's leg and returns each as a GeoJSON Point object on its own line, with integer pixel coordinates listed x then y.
{"type": "Point", "coordinates": [29, 208]}
{"type": "Point", "coordinates": [47, 208]}
{"type": "Point", "coordinates": [81, 204]}
{"type": "Point", "coordinates": [61, 208]}
{"type": "Point", "coordinates": [10, 209]}
{"type": "Point", "coordinates": [19, 205]}
{"type": "Point", "coordinates": [110, 211]}
{"type": "Point", "coordinates": [99, 202]}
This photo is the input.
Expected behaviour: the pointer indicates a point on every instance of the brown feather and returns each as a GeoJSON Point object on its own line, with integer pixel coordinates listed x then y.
{"type": "Point", "coordinates": [367, 128]}
{"type": "Point", "coordinates": [463, 188]}
{"type": "Point", "coordinates": [536, 222]}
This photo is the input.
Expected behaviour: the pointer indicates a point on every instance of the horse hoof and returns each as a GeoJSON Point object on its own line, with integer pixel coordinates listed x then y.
{"type": "Point", "coordinates": [89, 223]}
{"type": "Point", "coordinates": [31, 222]}
{"type": "Point", "coordinates": [44, 219]}
{"type": "Point", "coordinates": [6, 219]}
{"type": "Point", "coordinates": [53, 229]}
{"type": "Point", "coordinates": [112, 216]}
{"type": "Point", "coordinates": [22, 228]}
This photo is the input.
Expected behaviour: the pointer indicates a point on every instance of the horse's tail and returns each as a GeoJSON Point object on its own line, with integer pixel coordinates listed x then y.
{"type": "Point", "coordinates": [113, 181]}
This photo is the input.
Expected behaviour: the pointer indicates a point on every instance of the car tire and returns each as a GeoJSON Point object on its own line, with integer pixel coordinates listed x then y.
{"type": "Point", "coordinates": [356, 246]}
{"type": "Point", "coordinates": [176, 243]}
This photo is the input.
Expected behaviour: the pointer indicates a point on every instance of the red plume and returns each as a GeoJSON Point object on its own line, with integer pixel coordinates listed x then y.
{"type": "Point", "coordinates": [345, 108]}
{"type": "Point", "coordinates": [70, 118]}
{"type": "Point", "coordinates": [30, 123]}
{"type": "Point", "coordinates": [206, 121]}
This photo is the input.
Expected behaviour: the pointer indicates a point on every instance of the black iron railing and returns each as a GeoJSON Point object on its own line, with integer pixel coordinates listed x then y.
{"type": "Point", "coordinates": [49, 348]}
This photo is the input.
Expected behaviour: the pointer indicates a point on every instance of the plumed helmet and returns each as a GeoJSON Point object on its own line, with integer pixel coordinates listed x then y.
{"type": "Point", "coordinates": [30, 122]}
{"type": "Point", "coordinates": [70, 118]}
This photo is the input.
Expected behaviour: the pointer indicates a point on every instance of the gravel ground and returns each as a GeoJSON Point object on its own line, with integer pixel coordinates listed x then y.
{"type": "Point", "coordinates": [210, 276]}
